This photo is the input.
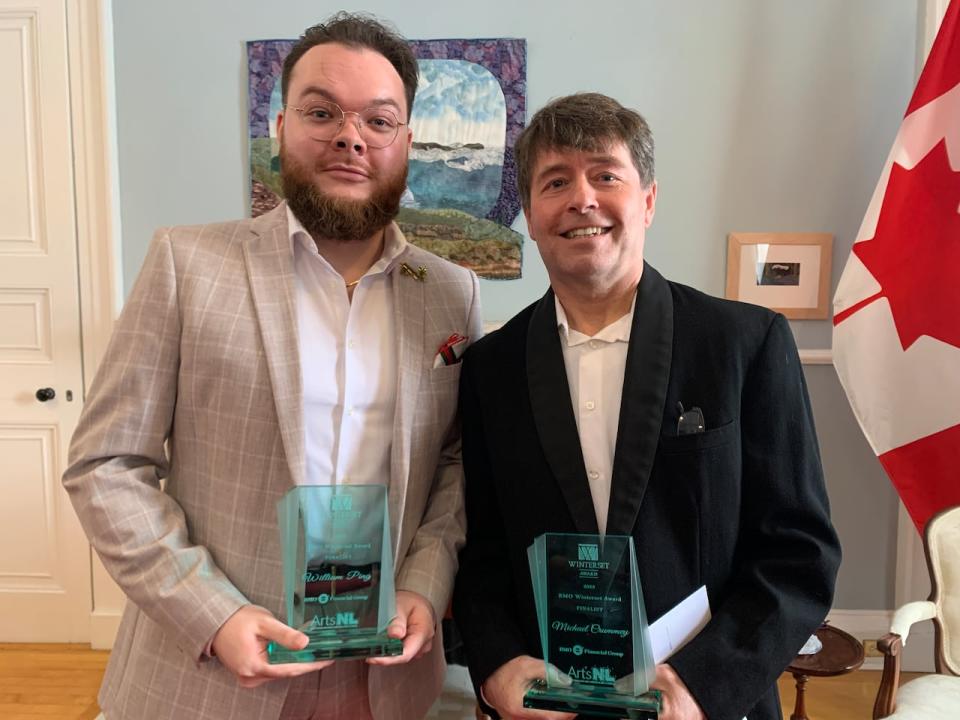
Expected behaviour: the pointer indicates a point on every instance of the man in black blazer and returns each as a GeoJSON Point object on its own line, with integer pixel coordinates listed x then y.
{"type": "Point", "coordinates": [571, 423]}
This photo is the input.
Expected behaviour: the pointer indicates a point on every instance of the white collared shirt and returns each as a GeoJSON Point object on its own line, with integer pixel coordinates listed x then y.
{"type": "Point", "coordinates": [348, 363]}
{"type": "Point", "coordinates": [595, 369]}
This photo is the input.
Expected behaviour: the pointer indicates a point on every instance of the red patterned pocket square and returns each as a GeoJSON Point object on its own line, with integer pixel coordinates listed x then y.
{"type": "Point", "coordinates": [451, 351]}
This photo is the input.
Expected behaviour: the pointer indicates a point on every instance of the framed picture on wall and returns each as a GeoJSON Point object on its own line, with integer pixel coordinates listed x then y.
{"type": "Point", "coordinates": [787, 272]}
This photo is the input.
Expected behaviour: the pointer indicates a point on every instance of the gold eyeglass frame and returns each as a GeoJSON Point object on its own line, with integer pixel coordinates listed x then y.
{"type": "Point", "coordinates": [343, 119]}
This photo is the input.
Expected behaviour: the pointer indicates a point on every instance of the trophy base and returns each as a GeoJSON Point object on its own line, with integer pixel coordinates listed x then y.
{"type": "Point", "coordinates": [330, 647]}
{"type": "Point", "coordinates": [593, 702]}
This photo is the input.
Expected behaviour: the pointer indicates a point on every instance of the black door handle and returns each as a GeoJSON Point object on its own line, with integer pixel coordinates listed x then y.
{"type": "Point", "coordinates": [44, 394]}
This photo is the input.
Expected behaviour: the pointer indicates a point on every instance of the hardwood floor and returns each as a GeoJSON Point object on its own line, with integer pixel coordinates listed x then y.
{"type": "Point", "coordinates": [846, 697]}
{"type": "Point", "coordinates": [61, 681]}
{"type": "Point", "coordinates": [55, 681]}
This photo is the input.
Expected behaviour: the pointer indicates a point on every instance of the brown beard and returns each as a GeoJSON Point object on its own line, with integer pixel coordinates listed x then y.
{"type": "Point", "coordinates": [326, 216]}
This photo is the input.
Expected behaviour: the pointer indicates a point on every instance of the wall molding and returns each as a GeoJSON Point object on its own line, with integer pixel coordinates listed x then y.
{"type": "Point", "coordinates": [817, 357]}
{"type": "Point", "coordinates": [862, 624]}
{"type": "Point", "coordinates": [97, 252]}
{"type": "Point", "coordinates": [821, 356]}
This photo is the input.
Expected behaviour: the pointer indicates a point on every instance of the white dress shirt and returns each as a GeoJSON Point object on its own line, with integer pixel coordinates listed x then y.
{"type": "Point", "coordinates": [595, 368]}
{"type": "Point", "coordinates": [348, 361]}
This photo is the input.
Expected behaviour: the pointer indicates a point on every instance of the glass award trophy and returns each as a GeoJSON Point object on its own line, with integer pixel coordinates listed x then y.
{"type": "Point", "coordinates": [593, 628]}
{"type": "Point", "coordinates": [337, 572]}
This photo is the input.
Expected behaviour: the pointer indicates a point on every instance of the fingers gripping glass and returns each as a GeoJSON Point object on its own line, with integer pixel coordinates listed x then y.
{"type": "Point", "coordinates": [378, 126]}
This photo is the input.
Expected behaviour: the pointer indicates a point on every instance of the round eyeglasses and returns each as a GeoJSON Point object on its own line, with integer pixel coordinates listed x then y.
{"type": "Point", "coordinates": [378, 126]}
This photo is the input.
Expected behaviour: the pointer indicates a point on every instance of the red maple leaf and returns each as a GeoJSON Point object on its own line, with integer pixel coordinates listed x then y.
{"type": "Point", "coordinates": [915, 252]}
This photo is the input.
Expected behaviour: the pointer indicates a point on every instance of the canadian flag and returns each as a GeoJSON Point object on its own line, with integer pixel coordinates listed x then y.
{"type": "Point", "coordinates": [896, 334]}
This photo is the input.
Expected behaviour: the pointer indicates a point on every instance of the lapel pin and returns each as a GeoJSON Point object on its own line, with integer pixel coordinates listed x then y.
{"type": "Point", "coordinates": [420, 274]}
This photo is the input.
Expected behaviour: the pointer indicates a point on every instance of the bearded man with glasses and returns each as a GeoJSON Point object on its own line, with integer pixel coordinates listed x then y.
{"type": "Point", "coordinates": [301, 347]}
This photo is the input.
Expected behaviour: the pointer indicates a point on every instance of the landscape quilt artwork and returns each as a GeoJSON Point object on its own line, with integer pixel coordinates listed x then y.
{"type": "Point", "coordinates": [470, 107]}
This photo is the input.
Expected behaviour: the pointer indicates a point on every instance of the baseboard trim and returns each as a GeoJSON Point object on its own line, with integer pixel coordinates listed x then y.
{"type": "Point", "coordinates": [103, 629]}
{"type": "Point", "coordinates": [862, 624]}
{"type": "Point", "coordinates": [872, 624]}
{"type": "Point", "coordinates": [816, 356]}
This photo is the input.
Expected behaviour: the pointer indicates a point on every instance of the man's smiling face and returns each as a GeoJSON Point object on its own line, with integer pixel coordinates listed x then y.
{"type": "Point", "coordinates": [588, 214]}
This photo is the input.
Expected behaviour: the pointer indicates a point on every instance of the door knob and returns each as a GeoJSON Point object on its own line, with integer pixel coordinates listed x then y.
{"type": "Point", "coordinates": [44, 394]}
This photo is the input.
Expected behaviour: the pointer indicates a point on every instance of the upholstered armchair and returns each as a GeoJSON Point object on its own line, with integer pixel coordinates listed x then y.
{"type": "Point", "coordinates": [938, 695]}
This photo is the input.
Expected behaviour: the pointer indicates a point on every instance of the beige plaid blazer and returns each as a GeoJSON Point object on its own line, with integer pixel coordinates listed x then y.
{"type": "Point", "coordinates": [193, 430]}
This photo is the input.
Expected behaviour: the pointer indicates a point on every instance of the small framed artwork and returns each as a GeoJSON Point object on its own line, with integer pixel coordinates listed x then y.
{"type": "Point", "coordinates": [787, 272]}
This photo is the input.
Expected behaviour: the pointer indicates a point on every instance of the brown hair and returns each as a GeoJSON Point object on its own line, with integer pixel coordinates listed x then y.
{"type": "Point", "coordinates": [357, 30]}
{"type": "Point", "coordinates": [588, 122]}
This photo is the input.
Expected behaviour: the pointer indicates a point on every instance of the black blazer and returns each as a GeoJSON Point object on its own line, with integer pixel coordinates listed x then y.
{"type": "Point", "coordinates": [740, 507]}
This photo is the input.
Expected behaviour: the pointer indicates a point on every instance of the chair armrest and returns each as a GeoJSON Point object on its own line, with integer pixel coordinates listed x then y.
{"type": "Point", "coordinates": [891, 645]}
{"type": "Point", "coordinates": [911, 613]}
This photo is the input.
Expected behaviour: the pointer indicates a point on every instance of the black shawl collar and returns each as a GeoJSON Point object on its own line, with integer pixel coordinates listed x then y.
{"type": "Point", "coordinates": [641, 410]}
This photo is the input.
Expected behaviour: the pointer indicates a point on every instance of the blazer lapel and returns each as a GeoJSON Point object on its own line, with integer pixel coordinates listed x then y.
{"type": "Point", "coordinates": [269, 260]}
{"type": "Point", "coordinates": [408, 308]}
{"type": "Point", "coordinates": [553, 414]}
{"type": "Point", "coordinates": [643, 396]}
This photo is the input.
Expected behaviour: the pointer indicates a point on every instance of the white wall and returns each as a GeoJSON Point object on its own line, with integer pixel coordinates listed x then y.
{"type": "Point", "coordinates": [768, 115]}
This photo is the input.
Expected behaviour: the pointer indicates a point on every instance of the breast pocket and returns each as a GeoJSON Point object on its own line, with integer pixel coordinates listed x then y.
{"type": "Point", "coordinates": [698, 442]}
{"type": "Point", "coordinates": [444, 374]}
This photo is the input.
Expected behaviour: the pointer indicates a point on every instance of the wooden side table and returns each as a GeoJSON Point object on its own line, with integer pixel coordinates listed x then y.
{"type": "Point", "coordinates": [841, 653]}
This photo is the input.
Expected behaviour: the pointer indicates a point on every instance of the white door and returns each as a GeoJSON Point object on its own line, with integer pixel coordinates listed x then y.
{"type": "Point", "coordinates": [44, 556]}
